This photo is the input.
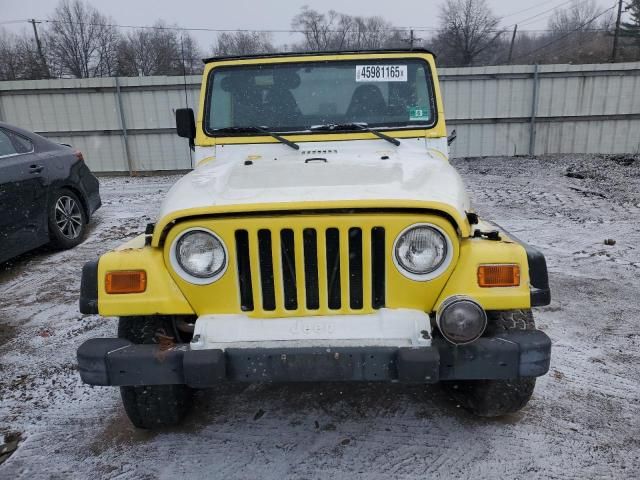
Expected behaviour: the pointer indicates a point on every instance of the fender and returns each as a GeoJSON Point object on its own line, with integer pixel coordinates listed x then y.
{"type": "Point", "coordinates": [538, 275]}
{"type": "Point", "coordinates": [477, 251]}
{"type": "Point", "coordinates": [162, 295]}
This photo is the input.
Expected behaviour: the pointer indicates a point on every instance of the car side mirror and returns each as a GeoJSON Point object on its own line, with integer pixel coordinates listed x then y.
{"type": "Point", "coordinates": [452, 138]}
{"type": "Point", "coordinates": [186, 124]}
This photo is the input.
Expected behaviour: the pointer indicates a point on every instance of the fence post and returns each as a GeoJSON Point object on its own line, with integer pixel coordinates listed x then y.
{"type": "Point", "coordinates": [123, 128]}
{"type": "Point", "coordinates": [534, 111]}
{"type": "Point", "coordinates": [2, 119]}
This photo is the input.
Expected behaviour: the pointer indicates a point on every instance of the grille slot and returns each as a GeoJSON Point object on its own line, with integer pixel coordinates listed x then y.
{"type": "Point", "coordinates": [288, 269]}
{"type": "Point", "coordinates": [333, 268]}
{"type": "Point", "coordinates": [266, 270]}
{"type": "Point", "coordinates": [337, 269]}
{"type": "Point", "coordinates": [355, 268]}
{"type": "Point", "coordinates": [310, 240]}
{"type": "Point", "coordinates": [244, 270]}
{"type": "Point", "coordinates": [378, 268]}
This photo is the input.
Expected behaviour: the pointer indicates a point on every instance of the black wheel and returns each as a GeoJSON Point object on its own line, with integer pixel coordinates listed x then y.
{"type": "Point", "coordinates": [153, 406]}
{"type": "Point", "coordinates": [494, 398]}
{"type": "Point", "coordinates": [67, 219]}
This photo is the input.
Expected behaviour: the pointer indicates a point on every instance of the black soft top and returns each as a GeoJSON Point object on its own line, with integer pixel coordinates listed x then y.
{"type": "Point", "coordinates": [315, 54]}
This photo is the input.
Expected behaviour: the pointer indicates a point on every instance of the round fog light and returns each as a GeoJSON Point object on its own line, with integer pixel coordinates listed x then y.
{"type": "Point", "coordinates": [461, 319]}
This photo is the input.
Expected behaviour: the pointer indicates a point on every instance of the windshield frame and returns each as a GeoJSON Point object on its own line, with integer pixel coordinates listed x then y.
{"type": "Point", "coordinates": [212, 133]}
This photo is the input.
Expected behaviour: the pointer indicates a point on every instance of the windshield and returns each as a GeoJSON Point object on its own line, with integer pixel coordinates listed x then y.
{"type": "Point", "coordinates": [297, 96]}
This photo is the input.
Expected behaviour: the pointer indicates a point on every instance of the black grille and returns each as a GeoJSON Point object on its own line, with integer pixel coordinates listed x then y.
{"type": "Point", "coordinates": [288, 297]}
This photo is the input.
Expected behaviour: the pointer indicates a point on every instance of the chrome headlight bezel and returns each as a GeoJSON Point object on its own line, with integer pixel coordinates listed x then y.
{"type": "Point", "coordinates": [438, 270]}
{"type": "Point", "coordinates": [183, 272]}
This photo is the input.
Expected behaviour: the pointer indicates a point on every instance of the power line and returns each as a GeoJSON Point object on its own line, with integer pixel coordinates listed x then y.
{"type": "Point", "coordinates": [7, 22]}
{"type": "Point", "coordinates": [580, 28]}
{"type": "Point", "coordinates": [526, 9]}
{"type": "Point", "coordinates": [163, 27]}
{"type": "Point", "coordinates": [221, 30]}
{"type": "Point", "coordinates": [550, 10]}
{"type": "Point", "coordinates": [250, 30]}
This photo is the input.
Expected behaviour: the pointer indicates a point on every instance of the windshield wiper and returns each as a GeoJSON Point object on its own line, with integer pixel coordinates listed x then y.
{"type": "Point", "coordinates": [355, 126]}
{"type": "Point", "coordinates": [288, 143]}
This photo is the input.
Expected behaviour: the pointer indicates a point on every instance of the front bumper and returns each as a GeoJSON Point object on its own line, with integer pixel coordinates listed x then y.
{"type": "Point", "coordinates": [118, 362]}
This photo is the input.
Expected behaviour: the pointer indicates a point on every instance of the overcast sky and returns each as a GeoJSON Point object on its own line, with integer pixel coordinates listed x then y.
{"type": "Point", "coordinates": [277, 14]}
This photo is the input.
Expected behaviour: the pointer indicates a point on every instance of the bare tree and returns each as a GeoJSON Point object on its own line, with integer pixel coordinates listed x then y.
{"type": "Point", "coordinates": [369, 33]}
{"type": "Point", "coordinates": [469, 29]}
{"type": "Point", "coordinates": [338, 31]}
{"type": "Point", "coordinates": [577, 17]}
{"type": "Point", "coordinates": [243, 43]}
{"type": "Point", "coordinates": [19, 58]}
{"type": "Point", "coordinates": [580, 33]}
{"type": "Point", "coordinates": [81, 41]}
{"type": "Point", "coordinates": [190, 55]}
{"type": "Point", "coordinates": [159, 50]}
{"type": "Point", "coordinates": [631, 30]}
{"type": "Point", "coordinates": [135, 57]}
{"type": "Point", "coordinates": [107, 59]}
{"type": "Point", "coordinates": [10, 67]}
{"type": "Point", "coordinates": [317, 29]}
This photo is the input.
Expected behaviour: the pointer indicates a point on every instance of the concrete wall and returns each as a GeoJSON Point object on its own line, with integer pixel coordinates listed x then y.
{"type": "Point", "coordinates": [503, 110]}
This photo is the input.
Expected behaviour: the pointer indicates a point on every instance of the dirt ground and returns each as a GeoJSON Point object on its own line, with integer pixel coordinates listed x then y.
{"type": "Point", "coordinates": [583, 421]}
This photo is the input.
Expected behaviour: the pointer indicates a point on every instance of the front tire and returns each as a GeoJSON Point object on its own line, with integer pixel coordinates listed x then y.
{"type": "Point", "coordinates": [153, 406]}
{"type": "Point", "coordinates": [494, 398]}
{"type": "Point", "coordinates": [67, 220]}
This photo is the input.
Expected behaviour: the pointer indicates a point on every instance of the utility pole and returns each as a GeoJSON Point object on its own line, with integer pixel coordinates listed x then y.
{"type": "Point", "coordinates": [43, 61]}
{"type": "Point", "coordinates": [513, 39]}
{"type": "Point", "coordinates": [614, 53]}
{"type": "Point", "coordinates": [412, 39]}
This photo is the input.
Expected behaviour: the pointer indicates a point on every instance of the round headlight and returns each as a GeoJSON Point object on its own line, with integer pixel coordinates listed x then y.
{"type": "Point", "coordinates": [461, 319]}
{"type": "Point", "coordinates": [200, 254]}
{"type": "Point", "coordinates": [421, 250]}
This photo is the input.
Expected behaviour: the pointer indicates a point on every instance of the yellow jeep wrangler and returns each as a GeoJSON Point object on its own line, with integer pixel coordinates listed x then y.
{"type": "Point", "coordinates": [322, 236]}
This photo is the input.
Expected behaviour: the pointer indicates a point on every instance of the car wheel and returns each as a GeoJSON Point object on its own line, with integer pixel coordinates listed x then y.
{"type": "Point", "coordinates": [494, 398]}
{"type": "Point", "coordinates": [67, 220]}
{"type": "Point", "coordinates": [153, 406]}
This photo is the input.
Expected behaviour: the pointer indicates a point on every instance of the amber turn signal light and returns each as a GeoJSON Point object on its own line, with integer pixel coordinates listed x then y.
{"type": "Point", "coordinates": [499, 275]}
{"type": "Point", "coordinates": [126, 281]}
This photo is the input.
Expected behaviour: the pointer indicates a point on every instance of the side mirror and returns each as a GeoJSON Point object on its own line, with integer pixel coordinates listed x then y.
{"type": "Point", "coordinates": [452, 138]}
{"type": "Point", "coordinates": [186, 124]}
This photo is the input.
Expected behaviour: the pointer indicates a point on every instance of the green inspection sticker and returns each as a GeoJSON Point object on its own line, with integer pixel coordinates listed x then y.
{"type": "Point", "coordinates": [418, 113]}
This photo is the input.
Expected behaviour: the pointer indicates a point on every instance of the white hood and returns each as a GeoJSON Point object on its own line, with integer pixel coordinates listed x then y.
{"type": "Point", "coordinates": [336, 171]}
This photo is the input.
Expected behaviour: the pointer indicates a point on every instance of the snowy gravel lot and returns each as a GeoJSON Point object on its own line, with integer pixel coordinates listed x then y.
{"type": "Point", "coordinates": [583, 421]}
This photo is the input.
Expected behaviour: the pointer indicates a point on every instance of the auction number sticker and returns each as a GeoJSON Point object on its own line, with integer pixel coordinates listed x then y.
{"type": "Point", "coordinates": [381, 73]}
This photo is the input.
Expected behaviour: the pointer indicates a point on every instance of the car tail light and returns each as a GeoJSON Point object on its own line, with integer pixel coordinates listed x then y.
{"type": "Point", "coordinates": [499, 275]}
{"type": "Point", "coordinates": [126, 281]}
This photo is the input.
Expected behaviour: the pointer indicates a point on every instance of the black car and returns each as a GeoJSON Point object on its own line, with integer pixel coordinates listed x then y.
{"type": "Point", "coordinates": [47, 193]}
